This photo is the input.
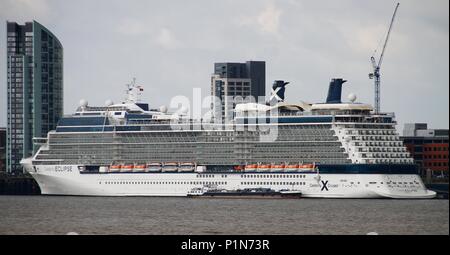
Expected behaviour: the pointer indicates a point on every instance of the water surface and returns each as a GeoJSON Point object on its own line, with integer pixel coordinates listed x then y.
{"type": "Point", "coordinates": [154, 215]}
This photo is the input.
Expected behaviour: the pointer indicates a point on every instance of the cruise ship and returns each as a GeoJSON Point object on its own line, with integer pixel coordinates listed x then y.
{"type": "Point", "coordinates": [322, 150]}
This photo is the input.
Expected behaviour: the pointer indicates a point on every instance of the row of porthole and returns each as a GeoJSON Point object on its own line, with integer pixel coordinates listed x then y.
{"type": "Point", "coordinates": [273, 183]}
{"type": "Point", "coordinates": [399, 186]}
{"type": "Point", "coordinates": [274, 176]}
{"type": "Point", "coordinates": [159, 183]}
{"type": "Point", "coordinates": [401, 183]}
{"type": "Point", "coordinates": [209, 176]}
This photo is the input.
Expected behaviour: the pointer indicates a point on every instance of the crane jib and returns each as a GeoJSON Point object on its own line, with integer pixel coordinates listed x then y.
{"type": "Point", "coordinates": [376, 66]}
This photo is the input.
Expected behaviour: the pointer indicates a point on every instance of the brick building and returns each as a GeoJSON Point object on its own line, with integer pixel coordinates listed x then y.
{"type": "Point", "coordinates": [429, 148]}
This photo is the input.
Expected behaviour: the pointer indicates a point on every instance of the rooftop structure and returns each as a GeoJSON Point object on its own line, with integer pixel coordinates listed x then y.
{"type": "Point", "coordinates": [231, 80]}
{"type": "Point", "coordinates": [429, 148]}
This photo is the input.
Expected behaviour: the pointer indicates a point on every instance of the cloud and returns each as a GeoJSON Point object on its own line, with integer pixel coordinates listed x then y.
{"type": "Point", "coordinates": [366, 40]}
{"type": "Point", "coordinates": [163, 37]}
{"type": "Point", "coordinates": [24, 9]}
{"type": "Point", "coordinates": [266, 21]}
{"type": "Point", "coordinates": [269, 19]}
{"type": "Point", "coordinates": [131, 27]}
{"type": "Point", "coordinates": [167, 40]}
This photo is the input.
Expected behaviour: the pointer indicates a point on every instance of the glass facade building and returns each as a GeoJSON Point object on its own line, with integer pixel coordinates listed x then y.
{"type": "Point", "coordinates": [2, 149]}
{"type": "Point", "coordinates": [34, 88]}
{"type": "Point", "coordinates": [253, 70]}
{"type": "Point", "coordinates": [231, 80]}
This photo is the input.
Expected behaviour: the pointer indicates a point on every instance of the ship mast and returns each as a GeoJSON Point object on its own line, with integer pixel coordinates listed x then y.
{"type": "Point", "coordinates": [133, 92]}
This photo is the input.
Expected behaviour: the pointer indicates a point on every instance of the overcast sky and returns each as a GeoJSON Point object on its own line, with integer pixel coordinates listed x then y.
{"type": "Point", "coordinates": [171, 47]}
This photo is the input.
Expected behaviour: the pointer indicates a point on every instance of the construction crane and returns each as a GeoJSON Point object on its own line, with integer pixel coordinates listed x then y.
{"type": "Point", "coordinates": [376, 66]}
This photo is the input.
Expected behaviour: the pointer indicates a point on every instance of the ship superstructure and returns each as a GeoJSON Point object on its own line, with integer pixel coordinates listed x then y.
{"type": "Point", "coordinates": [330, 149]}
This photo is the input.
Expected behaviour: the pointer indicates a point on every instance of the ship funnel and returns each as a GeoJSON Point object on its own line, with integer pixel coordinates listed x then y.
{"type": "Point", "coordinates": [278, 89]}
{"type": "Point", "coordinates": [335, 91]}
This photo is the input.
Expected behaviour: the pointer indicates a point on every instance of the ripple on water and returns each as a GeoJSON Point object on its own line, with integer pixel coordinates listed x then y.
{"type": "Point", "coordinates": [152, 215]}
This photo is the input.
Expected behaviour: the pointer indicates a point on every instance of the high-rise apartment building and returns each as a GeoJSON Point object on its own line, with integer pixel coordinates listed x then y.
{"type": "Point", "coordinates": [2, 149]}
{"type": "Point", "coordinates": [34, 88]}
{"type": "Point", "coordinates": [236, 79]}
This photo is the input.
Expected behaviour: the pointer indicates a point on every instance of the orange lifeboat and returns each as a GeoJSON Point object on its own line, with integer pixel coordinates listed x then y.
{"type": "Point", "coordinates": [238, 168]}
{"type": "Point", "coordinates": [291, 167]}
{"type": "Point", "coordinates": [127, 168]}
{"type": "Point", "coordinates": [277, 168]}
{"type": "Point", "coordinates": [115, 168]}
{"type": "Point", "coordinates": [251, 167]}
{"type": "Point", "coordinates": [264, 167]}
{"type": "Point", "coordinates": [139, 168]}
{"type": "Point", "coordinates": [306, 167]}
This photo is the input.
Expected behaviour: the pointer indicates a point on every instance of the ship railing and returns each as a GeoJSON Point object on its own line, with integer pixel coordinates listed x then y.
{"type": "Point", "coordinates": [39, 140]}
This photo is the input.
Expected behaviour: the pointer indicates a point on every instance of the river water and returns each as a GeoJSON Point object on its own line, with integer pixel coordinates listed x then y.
{"type": "Point", "coordinates": [153, 215]}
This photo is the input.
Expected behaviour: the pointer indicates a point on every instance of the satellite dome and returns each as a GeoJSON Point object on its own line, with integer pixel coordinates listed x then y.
{"type": "Point", "coordinates": [352, 97]}
{"type": "Point", "coordinates": [83, 103]}
{"type": "Point", "coordinates": [109, 102]}
{"type": "Point", "coordinates": [163, 109]}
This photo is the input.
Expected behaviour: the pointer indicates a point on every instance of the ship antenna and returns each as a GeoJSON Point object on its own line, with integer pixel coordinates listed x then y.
{"type": "Point", "coordinates": [133, 92]}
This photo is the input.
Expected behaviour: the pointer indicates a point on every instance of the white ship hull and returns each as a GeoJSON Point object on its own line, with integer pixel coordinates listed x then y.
{"type": "Point", "coordinates": [68, 180]}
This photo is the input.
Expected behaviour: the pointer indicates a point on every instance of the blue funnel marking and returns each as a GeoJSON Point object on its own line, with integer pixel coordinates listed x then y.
{"type": "Point", "coordinates": [335, 91]}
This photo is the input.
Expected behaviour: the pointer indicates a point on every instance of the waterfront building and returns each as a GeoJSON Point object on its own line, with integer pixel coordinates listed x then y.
{"type": "Point", "coordinates": [428, 147]}
{"type": "Point", "coordinates": [34, 88]}
{"type": "Point", "coordinates": [2, 149]}
{"type": "Point", "coordinates": [231, 80]}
